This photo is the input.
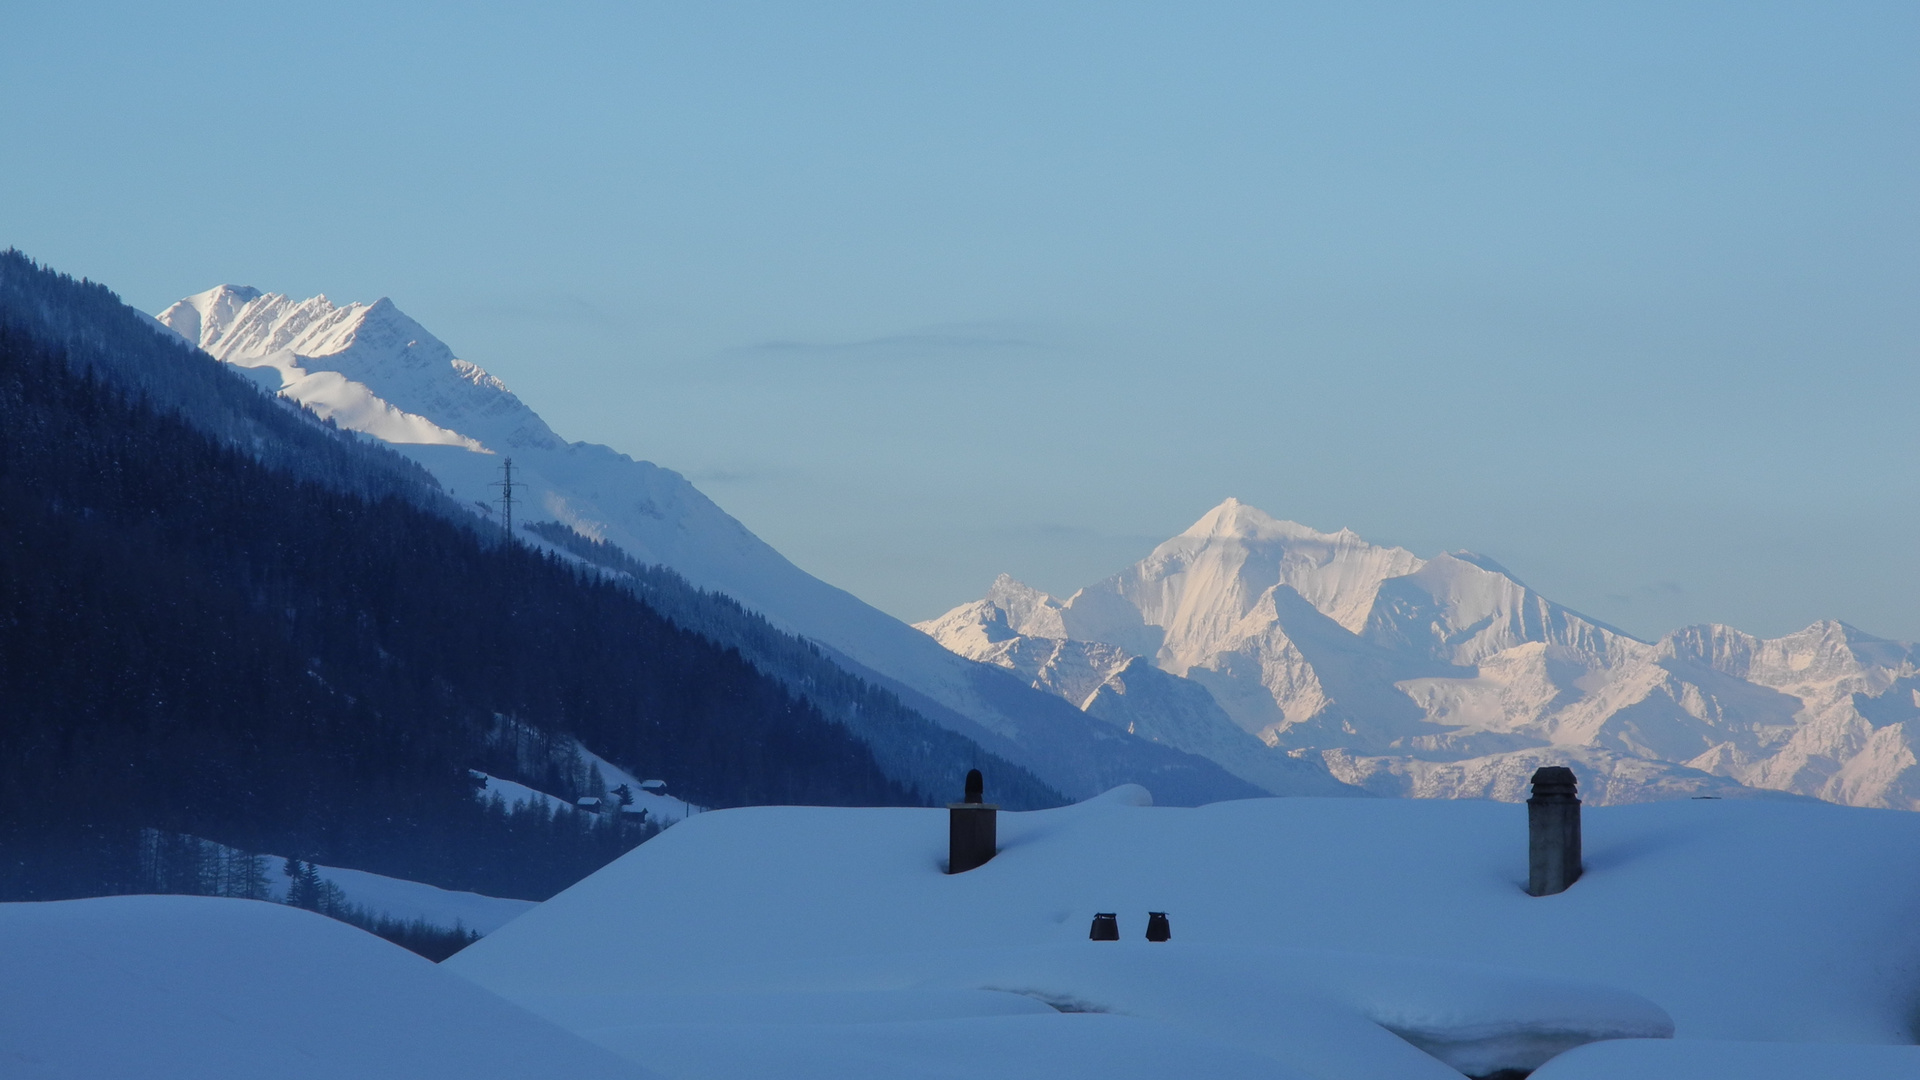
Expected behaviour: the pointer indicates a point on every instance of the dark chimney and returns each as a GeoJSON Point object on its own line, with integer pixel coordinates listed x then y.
{"type": "Point", "coordinates": [1106, 927]}
{"type": "Point", "coordinates": [1553, 831]}
{"type": "Point", "coordinates": [972, 835]}
{"type": "Point", "coordinates": [1157, 927]}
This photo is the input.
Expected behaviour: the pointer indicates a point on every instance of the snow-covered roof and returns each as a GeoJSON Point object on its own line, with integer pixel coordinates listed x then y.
{"type": "Point", "coordinates": [191, 986]}
{"type": "Point", "coordinates": [1325, 936]}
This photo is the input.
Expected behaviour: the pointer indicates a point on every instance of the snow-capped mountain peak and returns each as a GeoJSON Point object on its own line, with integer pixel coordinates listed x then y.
{"type": "Point", "coordinates": [1027, 610]}
{"type": "Point", "coordinates": [1449, 676]}
{"type": "Point", "coordinates": [202, 317]}
{"type": "Point", "coordinates": [368, 367]}
{"type": "Point", "coordinates": [1203, 581]}
{"type": "Point", "coordinates": [1236, 520]}
{"type": "Point", "coordinates": [371, 368]}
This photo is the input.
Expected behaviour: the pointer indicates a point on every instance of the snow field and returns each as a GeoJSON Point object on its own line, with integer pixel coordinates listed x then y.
{"type": "Point", "coordinates": [662, 809]}
{"type": "Point", "coordinates": [514, 793]}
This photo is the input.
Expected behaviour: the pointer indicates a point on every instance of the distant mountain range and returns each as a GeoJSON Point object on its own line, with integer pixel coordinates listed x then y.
{"type": "Point", "coordinates": [1263, 644]}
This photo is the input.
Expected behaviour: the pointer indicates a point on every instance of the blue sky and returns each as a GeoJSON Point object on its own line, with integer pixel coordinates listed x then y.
{"type": "Point", "coordinates": [1621, 295]}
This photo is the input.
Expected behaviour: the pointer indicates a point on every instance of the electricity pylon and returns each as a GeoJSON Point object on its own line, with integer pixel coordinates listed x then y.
{"type": "Point", "coordinates": [506, 485]}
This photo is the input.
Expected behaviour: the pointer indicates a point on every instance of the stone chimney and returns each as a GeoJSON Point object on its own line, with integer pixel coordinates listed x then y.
{"type": "Point", "coordinates": [1553, 831]}
{"type": "Point", "coordinates": [972, 832]}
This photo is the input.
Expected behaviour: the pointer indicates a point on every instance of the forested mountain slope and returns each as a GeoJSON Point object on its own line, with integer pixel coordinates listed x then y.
{"type": "Point", "coordinates": [929, 759]}
{"type": "Point", "coordinates": [149, 361]}
{"type": "Point", "coordinates": [198, 634]}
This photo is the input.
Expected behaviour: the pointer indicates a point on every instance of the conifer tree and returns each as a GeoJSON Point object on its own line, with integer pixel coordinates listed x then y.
{"type": "Point", "coordinates": [300, 883]}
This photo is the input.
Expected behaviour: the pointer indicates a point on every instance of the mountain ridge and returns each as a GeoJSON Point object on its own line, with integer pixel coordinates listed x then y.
{"type": "Point", "coordinates": [1450, 676]}
{"type": "Point", "coordinates": [378, 358]}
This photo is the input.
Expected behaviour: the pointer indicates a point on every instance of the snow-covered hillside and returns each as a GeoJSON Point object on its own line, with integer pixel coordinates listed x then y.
{"type": "Point", "coordinates": [372, 369]}
{"type": "Point", "coordinates": [1330, 938]}
{"type": "Point", "coordinates": [1447, 677]}
{"type": "Point", "coordinates": [406, 901]}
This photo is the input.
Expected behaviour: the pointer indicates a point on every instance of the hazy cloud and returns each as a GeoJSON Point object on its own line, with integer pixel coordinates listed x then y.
{"type": "Point", "coordinates": [932, 341]}
{"type": "Point", "coordinates": [554, 309]}
{"type": "Point", "coordinates": [1655, 590]}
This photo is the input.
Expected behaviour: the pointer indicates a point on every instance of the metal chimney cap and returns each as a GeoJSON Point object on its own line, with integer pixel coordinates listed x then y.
{"type": "Point", "coordinates": [1555, 783]}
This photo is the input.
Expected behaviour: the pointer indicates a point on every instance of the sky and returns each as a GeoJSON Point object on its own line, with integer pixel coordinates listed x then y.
{"type": "Point", "coordinates": [1625, 296]}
